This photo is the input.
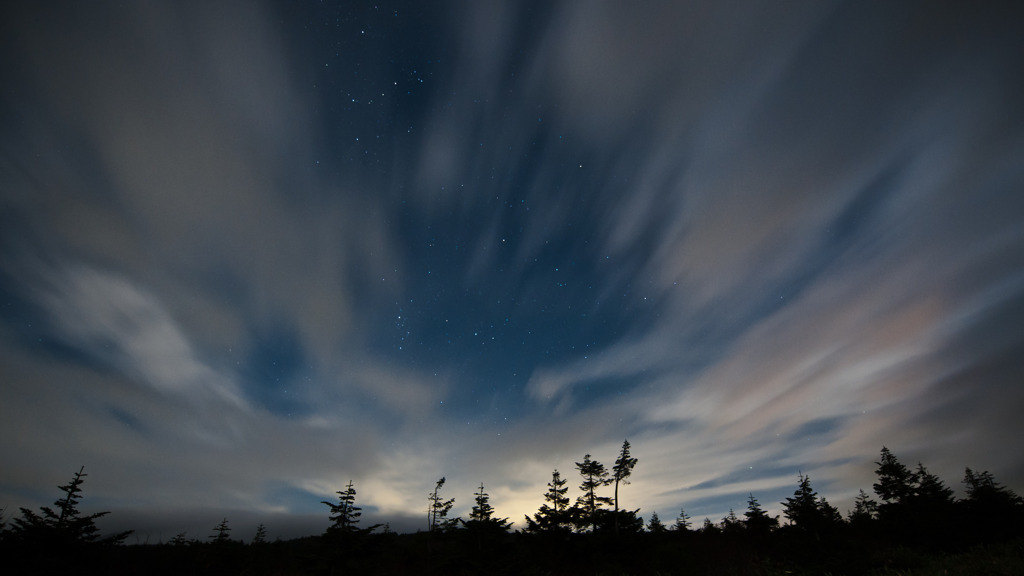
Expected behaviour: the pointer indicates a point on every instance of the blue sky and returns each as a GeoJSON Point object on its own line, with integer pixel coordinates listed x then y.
{"type": "Point", "coordinates": [249, 252]}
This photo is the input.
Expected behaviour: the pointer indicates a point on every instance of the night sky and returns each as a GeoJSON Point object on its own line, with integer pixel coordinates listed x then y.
{"type": "Point", "coordinates": [251, 252]}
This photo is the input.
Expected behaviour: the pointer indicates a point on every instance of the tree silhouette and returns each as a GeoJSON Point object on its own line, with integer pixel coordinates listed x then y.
{"type": "Point", "coordinates": [554, 514]}
{"type": "Point", "coordinates": [809, 513]}
{"type": "Point", "coordinates": [589, 503]}
{"type": "Point", "coordinates": [66, 525]}
{"type": "Point", "coordinates": [992, 510]}
{"type": "Point", "coordinates": [930, 491]}
{"type": "Point", "coordinates": [480, 515]}
{"type": "Point", "coordinates": [683, 522]}
{"type": "Point", "coordinates": [621, 470]}
{"type": "Point", "coordinates": [895, 484]}
{"type": "Point", "coordinates": [655, 525]}
{"type": "Point", "coordinates": [345, 514]}
{"type": "Point", "coordinates": [865, 511]}
{"type": "Point", "coordinates": [261, 535]}
{"type": "Point", "coordinates": [916, 505]}
{"type": "Point", "coordinates": [756, 520]}
{"type": "Point", "coordinates": [220, 533]}
{"type": "Point", "coordinates": [731, 523]}
{"type": "Point", "coordinates": [437, 510]}
{"type": "Point", "coordinates": [982, 489]}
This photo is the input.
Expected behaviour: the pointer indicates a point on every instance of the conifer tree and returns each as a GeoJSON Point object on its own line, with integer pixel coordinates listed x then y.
{"type": "Point", "coordinates": [683, 522]}
{"type": "Point", "coordinates": [437, 510]}
{"type": "Point", "coordinates": [930, 491]}
{"type": "Point", "coordinates": [220, 533]}
{"type": "Point", "coordinates": [345, 514]}
{"type": "Point", "coordinates": [807, 511]}
{"type": "Point", "coordinates": [261, 535]}
{"type": "Point", "coordinates": [709, 527]}
{"type": "Point", "coordinates": [731, 523]}
{"type": "Point", "coordinates": [865, 510]}
{"type": "Point", "coordinates": [65, 525]}
{"type": "Point", "coordinates": [554, 515]}
{"type": "Point", "coordinates": [993, 511]}
{"type": "Point", "coordinates": [655, 526]}
{"type": "Point", "coordinates": [589, 503]}
{"type": "Point", "coordinates": [895, 484]}
{"type": "Point", "coordinates": [480, 515]}
{"type": "Point", "coordinates": [982, 489]}
{"type": "Point", "coordinates": [621, 470]}
{"type": "Point", "coordinates": [756, 520]}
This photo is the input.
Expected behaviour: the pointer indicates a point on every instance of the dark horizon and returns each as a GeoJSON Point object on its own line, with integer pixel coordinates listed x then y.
{"type": "Point", "coordinates": [252, 251]}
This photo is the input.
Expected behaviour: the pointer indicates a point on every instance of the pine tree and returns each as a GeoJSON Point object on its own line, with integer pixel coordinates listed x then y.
{"type": "Point", "coordinates": [982, 489]}
{"type": "Point", "coordinates": [621, 470]}
{"type": "Point", "coordinates": [655, 526]}
{"type": "Point", "coordinates": [553, 515]}
{"type": "Point", "coordinates": [929, 491]}
{"type": "Point", "coordinates": [896, 482]}
{"type": "Point", "coordinates": [66, 525]}
{"type": "Point", "coordinates": [683, 522]}
{"type": "Point", "coordinates": [731, 523]}
{"type": "Point", "coordinates": [437, 510]}
{"type": "Point", "coordinates": [220, 533]}
{"type": "Point", "coordinates": [992, 511]}
{"type": "Point", "coordinates": [261, 535]}
{"type": "Point", "coordinates": [802, 508]}
{"type": "Point", "coordinates": [345, 514]}
{"type": "Point", "coordinates": [756, 520]}
{"type": "Point", "coordinates": [709, 527]}
{"type": "Point", "coordinates": [480, 515]}
{"type": "Point", "coordinates": [865, 511]}
{"type": "Point", "coordinates": [589, 503]}
{"type": "Point", "coordinates": [809, 513]}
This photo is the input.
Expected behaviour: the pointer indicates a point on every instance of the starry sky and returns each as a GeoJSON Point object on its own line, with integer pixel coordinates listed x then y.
{"type": "Point", "coordinates": [250, 252]}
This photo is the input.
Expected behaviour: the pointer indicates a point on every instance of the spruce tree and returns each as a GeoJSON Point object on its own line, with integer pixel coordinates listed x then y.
{"type": "Point", "coordinates": [437, 510]}
{"type": "Point", "coordinates": [865, 511]}
{"type": "Point", "coordinates": [896, 482]}
{"type": "Point", "coordinates": [261, 535]}
{"type": "Point", "coordinates": [655, 526]}
{"type": "Point", "coordinates": [554, 514]}
{"type": "Point", "coordinates": [731, 523]}
{"type": "Point", "coordinates": [809, 513]}
{"type": "Point", "coordinates": [756, 520]}
{"type": "Point", "coordinates": [683, 522]}
{"type": "Point", "coordinates": [993, 511]}
{"type": "Point", "coordinates": [930, 491]}
{"type": "Point", "coordinates": [220, 533]}
{"type": "Point", "coordinates": [708, 527]}
{"type": "Point", "coordinates": [480, 515]}
{"type": "Point", "coordinates": [589, 503]}
{"type": "Point", "coordinates": [65, 525]}
{"type": "Point", "coordinates": [621, 470]}
{"type": "Point", "coordinates": [345, 514]}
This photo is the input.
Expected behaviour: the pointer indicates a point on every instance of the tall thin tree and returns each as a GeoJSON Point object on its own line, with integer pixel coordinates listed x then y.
{"type": "Point", "coordinates": [437, 509]}
{"type": "Point", "coordinates": [594, 476]}
{"type": "Point", "coordinates": [622, 469]}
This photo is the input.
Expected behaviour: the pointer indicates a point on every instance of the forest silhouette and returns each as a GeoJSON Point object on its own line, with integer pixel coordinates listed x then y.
{"type": "Point", "coordinates": [912, 524]}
